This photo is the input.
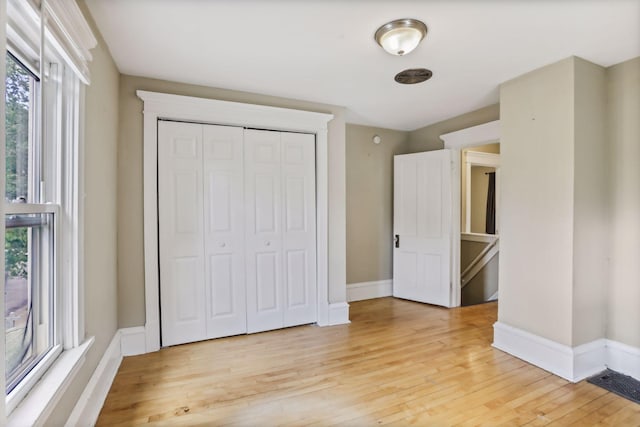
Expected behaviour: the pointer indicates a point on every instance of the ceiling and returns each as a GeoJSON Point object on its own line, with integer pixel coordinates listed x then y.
{"type": "Point", "coordinates": [324, 51]}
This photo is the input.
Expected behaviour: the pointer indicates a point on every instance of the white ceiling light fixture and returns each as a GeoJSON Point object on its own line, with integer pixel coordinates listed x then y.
{"type": "Point", "coordinates": [401, 36]}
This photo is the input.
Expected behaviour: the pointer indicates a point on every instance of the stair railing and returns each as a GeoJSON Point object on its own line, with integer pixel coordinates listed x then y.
{"type": "Point", "coordinates": [479, 262]}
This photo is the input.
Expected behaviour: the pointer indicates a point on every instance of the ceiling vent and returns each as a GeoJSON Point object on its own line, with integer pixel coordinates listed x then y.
{"type": "Point", "coordinates": [413, 76]}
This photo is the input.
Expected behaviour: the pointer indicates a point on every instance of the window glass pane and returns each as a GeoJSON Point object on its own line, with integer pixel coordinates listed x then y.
{"type": "Point", "coordinates": [17, 298]}
{"type": "Point", "coordinates": [20, 86]}
{"type": "Point", "coordinates": [28, 292]}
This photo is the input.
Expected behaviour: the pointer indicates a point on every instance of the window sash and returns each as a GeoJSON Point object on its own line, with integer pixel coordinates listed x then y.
{"type": "Point", "coordinates": [40, 321]}
{"type": "Point", "coordinates": [15, 221]}
{"type": "Point", "coordinates": [41, 364]}
{"type": "Point", "coordinates": [30, 208]}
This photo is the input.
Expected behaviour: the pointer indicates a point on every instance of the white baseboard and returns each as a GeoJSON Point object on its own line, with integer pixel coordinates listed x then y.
{"type": "Point", "coordinates": [589, 359]}
{"type": "Point", "coordinates": [92, 398]}
{"type": "Point", "coordinates": [133, 341]}
{"type": "Point", "coordinates": [623, 358]}
{"type": "Point", "coordinates": [338, 313]}
{"type": "Point", "coordinates": [572, 364]}
{"type": "Point", "coordinates": [369, 290]}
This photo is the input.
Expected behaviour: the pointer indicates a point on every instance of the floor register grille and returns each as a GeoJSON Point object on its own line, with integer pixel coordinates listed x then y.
{"type": "Point", "coordinates": [617, 383]}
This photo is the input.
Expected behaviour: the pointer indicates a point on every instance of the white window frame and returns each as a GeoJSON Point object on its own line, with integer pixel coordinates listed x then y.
{"type": "Point", "coordinates": [67, 37]}
{"type": "Point", "coordinates": [38, 206]}
{"type": "Point", "coordinates": [3, 39]}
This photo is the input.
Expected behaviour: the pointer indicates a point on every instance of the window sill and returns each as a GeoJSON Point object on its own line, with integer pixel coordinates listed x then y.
{"type": "Point", "coordinates": [43, 397]}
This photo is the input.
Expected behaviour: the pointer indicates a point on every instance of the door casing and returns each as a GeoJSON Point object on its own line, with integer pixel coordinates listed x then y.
{"type": "Point", "coordinates": [487, 133]}
{"type": "Point", "coordinates": [202, 110]}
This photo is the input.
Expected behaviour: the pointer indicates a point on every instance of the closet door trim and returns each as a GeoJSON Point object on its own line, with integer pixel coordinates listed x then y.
{"type": "Point", "coordinates": [183, 108]}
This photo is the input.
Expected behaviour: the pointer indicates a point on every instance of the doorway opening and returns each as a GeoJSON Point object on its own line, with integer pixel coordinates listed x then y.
{"type": "Point", "coordinates": [479, 215]}
{"type": "Point", "coordinates": [471, 141]}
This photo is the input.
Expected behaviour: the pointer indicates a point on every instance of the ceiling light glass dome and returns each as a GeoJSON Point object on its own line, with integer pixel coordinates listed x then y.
{"type": "Point", "coordinates": [401, 36]}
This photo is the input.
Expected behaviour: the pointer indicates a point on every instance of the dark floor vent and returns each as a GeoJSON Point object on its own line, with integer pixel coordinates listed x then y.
{"type": "Point", "coordinates": [617, 383]}
{"type": "Point", "coordinates": [413, 76]}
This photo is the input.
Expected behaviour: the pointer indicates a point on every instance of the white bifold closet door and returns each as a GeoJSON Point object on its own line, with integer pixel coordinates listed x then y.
{"type": "Point", "coordinates": [236, 212]}
{"type": "Point", "coordinates": [280, 229]}
{"type": "Point", "coordinates": [201, 235]}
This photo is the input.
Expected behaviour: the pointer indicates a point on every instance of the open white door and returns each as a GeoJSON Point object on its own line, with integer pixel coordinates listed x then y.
{"type": "Point", "coordinates": [422, 223]}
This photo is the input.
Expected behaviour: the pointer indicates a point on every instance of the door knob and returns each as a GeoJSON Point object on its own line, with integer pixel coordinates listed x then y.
{"type": "Point", "coordinates": [223, 244]}
{"type": "Point", "coordinates": [267, 243]}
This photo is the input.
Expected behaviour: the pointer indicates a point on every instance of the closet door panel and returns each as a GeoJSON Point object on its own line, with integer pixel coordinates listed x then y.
{"type": "Point", "coordinates": [263, 233]}
{"type": "Point", "coordinates": [224, 231]}
{"type": "Point", "coordinates": [180, 214]}
{"type": "Point", "coordinates": [299, 228]}
{"type": "Point", "coordinates": [237, 230]}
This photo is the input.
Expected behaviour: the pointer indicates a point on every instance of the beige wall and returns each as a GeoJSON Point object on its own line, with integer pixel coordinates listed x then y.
{"type": "Point", "coordinates": [590, 211]}
{"type": "Point", "coordinates": [487, 148]}
{"type": "Point", "coordinates": [370, 212]}
{"type": "Point", "coordinates": [469, 249]}
{"type": "Point", "coordinates": [483, 286]}
{"type": "Point", "coordinates": [131, 311]}
{"type": "Point", "coordinates": [101, 136]}
{"type": "Point", "coordinates": [623, 136]}
{"type": "Point", "coordinates": [536, 236]}
{"type": "Point", "coordinates": [370, 201]}
{"type": "Point", "coordinates": [554, 220]}
{"type": "Point", "coordinates": [428, 137]}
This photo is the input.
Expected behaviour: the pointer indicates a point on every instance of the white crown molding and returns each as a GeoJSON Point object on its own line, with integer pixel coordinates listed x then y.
{"type": "Point", "coordinates": [72, 23]}
{"type": "Point", "coordinates": [486, 133]}
{"type": "Point", "coordinates": [232, 113]}
{"type": "Point", "coordinates": [67, 32]}
{"type": "Point", "coordinates": [478, 158]}
{"type": "Point", "coordinates": [369, 290]}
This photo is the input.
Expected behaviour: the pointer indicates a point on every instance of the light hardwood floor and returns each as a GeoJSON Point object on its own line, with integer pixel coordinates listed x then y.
{"type": "Point", "coordinates": [398, 362]}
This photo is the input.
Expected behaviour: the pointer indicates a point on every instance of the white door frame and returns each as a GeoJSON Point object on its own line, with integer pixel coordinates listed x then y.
{"type": "Point", "coordinates": [202, 110]}
{"type": "Point", "coordinates": [487, 133]}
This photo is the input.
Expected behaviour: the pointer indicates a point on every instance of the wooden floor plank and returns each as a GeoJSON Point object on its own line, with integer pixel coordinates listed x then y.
{"type": "Point", "coordinates": [397, 363]}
